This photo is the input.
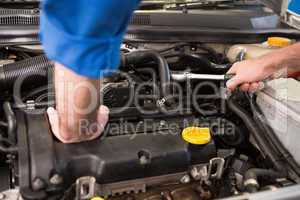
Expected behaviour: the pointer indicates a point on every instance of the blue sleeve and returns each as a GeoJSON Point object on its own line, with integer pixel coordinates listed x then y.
{"type": "Point", "coordinates": [294, 7]}
{"type": "Point", "coordinates": [85, 35]}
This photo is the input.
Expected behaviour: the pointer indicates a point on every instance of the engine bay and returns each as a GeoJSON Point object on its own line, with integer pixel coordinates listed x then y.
{"type": "Point", "coordinates": [142, 154]}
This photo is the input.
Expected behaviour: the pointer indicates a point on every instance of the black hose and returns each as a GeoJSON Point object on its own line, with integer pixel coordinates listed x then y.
{"type": "Point", "coordinates": [257, 134]}
{"type": "Point", "coordinates": [33, 69]}
{"type": "Point", "coordinates": [11, 122]}
{"type": "Point", "coordinates": [272, 138]}
{"type": "Point", "coordinates": [12, 149]}
{"type": "Point", "coordinates": [213, 67]}
{"type": "Point", "coordinates": [141, 57]}
{"type": "Point", "coordinates": [250, 179]}
{"type": "Point", "coordinates": [210, 50]}
{"type": "Point", "coordinates": [3, 124]}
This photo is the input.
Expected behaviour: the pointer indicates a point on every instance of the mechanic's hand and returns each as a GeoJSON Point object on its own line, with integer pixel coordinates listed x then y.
{"type": "Point", "coordinates": [249, 74]}
{"type": "Point", "coordinates": [78, 116]}
{"type": "Point", "coordinates": [66, 135]}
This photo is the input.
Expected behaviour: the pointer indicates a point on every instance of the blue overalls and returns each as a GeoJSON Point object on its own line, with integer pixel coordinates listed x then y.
{"type": "Point", "coordinates": [85, 35]}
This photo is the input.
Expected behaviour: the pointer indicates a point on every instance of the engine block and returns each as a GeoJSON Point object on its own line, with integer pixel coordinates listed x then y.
{"type": "Point", "coordinates": [55, 166]}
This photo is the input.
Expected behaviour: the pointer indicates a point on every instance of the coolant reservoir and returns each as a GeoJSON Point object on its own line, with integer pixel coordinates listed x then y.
{"type": "Point", "coordinates": [251, 51]}
{"type": "Point", "coordinates": [280, 104]}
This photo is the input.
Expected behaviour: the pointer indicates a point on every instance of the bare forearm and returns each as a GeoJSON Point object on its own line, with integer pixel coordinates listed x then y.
{"type": "Point", "coordinates": [249, 73]}
{"type": "Point", "coordinates": [77, 99]}
{"type": "Point", "coordinates": [288, 57]}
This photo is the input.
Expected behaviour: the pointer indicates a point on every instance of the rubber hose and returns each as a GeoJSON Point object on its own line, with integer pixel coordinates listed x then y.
{"type": "Point", "coordinates": [33, 69]}
{"type": "Point", "coordinates": [258, 116]}
{"type": "Point", "coordinates": [204, 62]}
{"type": "Point", "coordinates": [12, 150]}
{"type": "Point", "coordinates": [11, 122]}
{"type": "Point", "coordinates": [140, 57]}
{"type": "Point", "coordinates": [257, 133]}
{"type": "Point", "coordinates": [251, 175]}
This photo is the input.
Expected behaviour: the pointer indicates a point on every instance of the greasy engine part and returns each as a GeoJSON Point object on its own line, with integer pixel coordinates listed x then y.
{"type": "Point", "coordinates": [140, 156]}
{"type": "Point", "coordinates": [109, 159]}
{"type": "Point", "coordinates": [117, 95]}
{"type": "Point", "coordinates": [251, 178]}
{"type": "Point", "coordinates": [197, 180]}
{"type": "Point", "coordinates": [28, 71]}
{"type": "Point", "coordinates": [174, 191]}
{"type": "Point", "coordinates": [259, 137]}
{"type": "Point", "coordinates": [144, 56]}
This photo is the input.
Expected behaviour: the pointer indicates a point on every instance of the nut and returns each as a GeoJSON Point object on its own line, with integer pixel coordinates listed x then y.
{"type": "Point", "coordinates": [56, 179]}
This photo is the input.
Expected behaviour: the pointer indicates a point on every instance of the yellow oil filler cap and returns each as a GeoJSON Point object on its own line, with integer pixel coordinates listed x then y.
{"type": "Point", "coordinates": [279, 41]}
{"type": "Point", "coordinates": [196, 135]}
{"type": "Point", "coordinates": [97, 198]}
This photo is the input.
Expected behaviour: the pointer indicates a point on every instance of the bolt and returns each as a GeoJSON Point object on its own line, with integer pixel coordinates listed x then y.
{"type": "Point", "coordinates": [38, 184]}
{"type": "Point", "coordinates": [195, 173]}
{"type": "Point", "coordinates": [193, 49]}
{"type": "Point", "coordinates": [162, 123]}
{"type": "Point", "coordinates": [2, 196]}
{"type": "Point", "coordinates": [56, 179]}
{"type": "Point", "coordinates": [199, 173]}
{"type": "Point", "coordinates": [185, 179]}
{"type": "Point", "coordinates": [144, 160]}
{"type": "Point", "coordinates": [166, 195]}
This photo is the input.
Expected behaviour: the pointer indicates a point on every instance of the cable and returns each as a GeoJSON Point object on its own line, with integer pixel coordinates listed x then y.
{"type": "Point", "coordinates": [203, 47]}
{"type": "Point", "coordinates": [12, 149]}
{"type": "Point", "coordinates": [2, 123]}
{"type": "Point", "coordinates": [284, 153]}
{"type": "Point", "coordinates": [144, 56]}
{"type": "Point", "coordinates": [11, 122]}
{"type": "Point", "coordinates": [250, 179]}
{"type": "Point", "coordinates": [257, 134]}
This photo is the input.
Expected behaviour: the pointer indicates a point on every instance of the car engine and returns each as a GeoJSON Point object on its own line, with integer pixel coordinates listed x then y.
{"type": "Point", "coordinates": [142, 154]}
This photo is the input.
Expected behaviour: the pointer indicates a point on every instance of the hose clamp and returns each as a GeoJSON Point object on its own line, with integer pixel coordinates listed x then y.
{"type": "Point", "coordinates": [251, 181]}
{"type": "Point", "coordinates": [219, 163]}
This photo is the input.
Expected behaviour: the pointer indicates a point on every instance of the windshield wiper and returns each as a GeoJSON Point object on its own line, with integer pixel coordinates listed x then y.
{"type": "Point", "coordinates": [191, 4]}
{"type": "Point", "coordinates": [196, 4]}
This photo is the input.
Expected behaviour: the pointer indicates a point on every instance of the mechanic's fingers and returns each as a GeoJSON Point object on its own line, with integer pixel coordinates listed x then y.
{"type": "Point", "coordinates": [245, 87]}
{"type": "Point", "coordinates": [254, 87]}
{"type": "Point", "coordinates": [102, 117]}
{"type": "Point", "coordinates": [257, 86]}
{"type": "Point", "coordinates": [233, 83]}
{"type": "Point", "coordinates": [262, 85]}
{"type": "Point", "coordinates": [53, 119]}
{"type": "Point", "coordinates": [54, 122]}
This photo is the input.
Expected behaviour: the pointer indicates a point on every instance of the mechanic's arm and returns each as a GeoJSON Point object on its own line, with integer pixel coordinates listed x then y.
{"type": "Point", "coordinates": [83, 38]}
{"type": "Point", "coordinates": [250, 73]}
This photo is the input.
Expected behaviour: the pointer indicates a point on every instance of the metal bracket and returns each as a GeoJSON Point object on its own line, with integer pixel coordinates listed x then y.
{"type": "Point", "coordinates": [85, 188]}
{"type": "Point", "coordinates": [216, 167]}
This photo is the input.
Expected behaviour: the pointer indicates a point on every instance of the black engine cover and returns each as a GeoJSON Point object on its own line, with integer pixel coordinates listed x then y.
{"type": "Point", "coordinates": [108, 159]}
